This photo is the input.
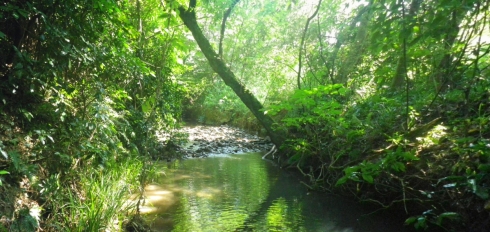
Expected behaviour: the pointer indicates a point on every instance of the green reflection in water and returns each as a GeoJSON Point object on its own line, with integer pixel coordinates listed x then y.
{"type": "Point", "coordinates": [246, 193]}
{"type": "Point", "coordinates": [215, 194]}
{"type": "Point", "coordinates": [282, 216]}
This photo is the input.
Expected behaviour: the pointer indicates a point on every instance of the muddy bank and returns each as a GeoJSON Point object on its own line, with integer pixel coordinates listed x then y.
{"type": "Point", "coordinates": [204, 141]}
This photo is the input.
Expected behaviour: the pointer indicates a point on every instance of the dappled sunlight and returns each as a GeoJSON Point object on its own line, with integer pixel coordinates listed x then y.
{"type": "Point", "coordinates": [209, 193]}
{"type": "Point", "coordinates": [157, 199]}
{"type": "Point", "coordinates": [433, 136]}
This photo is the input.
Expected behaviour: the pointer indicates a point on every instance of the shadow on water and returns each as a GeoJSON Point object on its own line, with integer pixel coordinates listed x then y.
{"type": "Point", "coordinates": [245, 193]}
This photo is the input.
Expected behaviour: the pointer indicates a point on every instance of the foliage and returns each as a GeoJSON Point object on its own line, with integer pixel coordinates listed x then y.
{"type": "Point", "coordinates": [393, 106]}
{"type": "Point", "coordinates": [84, 89]}
{"type": "Point", "coordinates": [394, 96]}
{"type": "Point", "coordinates": [315, 117]}
{"type": "Point", "coordinates": [102, 200]}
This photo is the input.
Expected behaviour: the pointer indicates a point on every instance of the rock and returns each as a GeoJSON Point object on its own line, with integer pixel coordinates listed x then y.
{"type": "Point", "coordinates": [206, 140]}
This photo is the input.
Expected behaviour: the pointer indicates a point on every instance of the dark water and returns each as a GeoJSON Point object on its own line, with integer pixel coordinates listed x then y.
{"type": "Point", "coordinates": [245, 193]}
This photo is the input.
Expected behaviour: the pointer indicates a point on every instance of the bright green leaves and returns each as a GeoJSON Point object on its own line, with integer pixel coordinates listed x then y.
{"type": "Point", "coordinates": [389, 162]}
{"type": "Point", "coordinates": [416, 29]}
{"type": "Point", "coordinates": [319, 100]}
{"type": "Point", "coordinates": [315, 116]}
{"type": "Point", "coordinates": [365, 171]}
{"type": "Point", "coordinates": [148, 105]}
{"type": "Point", "coordinates": [319, 105]}
{"type": "Point", "coordinates": [3, 172]}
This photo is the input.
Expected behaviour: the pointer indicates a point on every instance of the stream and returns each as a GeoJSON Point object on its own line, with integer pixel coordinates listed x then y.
{"type": "Point", "coordinates": [242, 192]}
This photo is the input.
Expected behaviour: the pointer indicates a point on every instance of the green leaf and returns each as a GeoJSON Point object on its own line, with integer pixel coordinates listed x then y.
{"type": "Point", "coordinates": [294, 159]}
{"type": "Point", "coordinates": [481, 192]}
{"type": "Point", "coordinates": [409, 156]}
{"type": "Point", "coordinates": [165, 15]}
{"type": "Point", "coordinates": [15, 157]}
{"type": "Point", "coordinates": [341, 181]}
{"type": "Point", "coordinates": [147, 106]}
{"type": "Point", "coordinates": [410, 220]}
{"type": "Point", "coordinates": [421, 223]}
{"type": "Point", "coordinates": [398, 166]}
{"type": "Point", "coordinates": [350, 170]}
{"type": "Point", "coordinates": [416, 29]}
{"type": "Point", "coordinates": [3, 172]}
{"type": "Point", "coordinates": [448, 215]}
{"type": "Point", "coordinates": [368, 178]}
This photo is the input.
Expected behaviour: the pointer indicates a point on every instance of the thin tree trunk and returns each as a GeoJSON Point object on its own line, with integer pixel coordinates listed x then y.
{"type": "Point", "coordinates": [300, 56]}
{"type": "Point", "coordinates": [401, 69]}
{"type": "Point", "coordinates": [223, 26]}
{"type": "Point", "coordinates": [217, 64]}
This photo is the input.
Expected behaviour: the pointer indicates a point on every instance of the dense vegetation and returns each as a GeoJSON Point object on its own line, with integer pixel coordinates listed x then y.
{"type": "Point", "coordinates": [85, 86]}
{"type": "Point", "coordinates": [387, 101]}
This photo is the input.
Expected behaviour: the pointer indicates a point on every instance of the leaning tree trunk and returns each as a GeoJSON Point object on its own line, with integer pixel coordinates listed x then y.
{"type": "Point", "coordinates": [188, 16]}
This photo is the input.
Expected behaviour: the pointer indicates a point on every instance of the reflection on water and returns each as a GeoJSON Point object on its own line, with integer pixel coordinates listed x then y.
{"type": "Point", "coordinates": [246, 193]}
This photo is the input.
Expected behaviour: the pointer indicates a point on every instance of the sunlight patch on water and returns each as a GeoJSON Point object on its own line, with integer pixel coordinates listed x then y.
{"type": "Point", "coordinates": [157, 199]}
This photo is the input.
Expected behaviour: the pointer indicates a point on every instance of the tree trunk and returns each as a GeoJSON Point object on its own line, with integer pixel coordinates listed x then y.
{"type": "Point", "coordinates": [406, 32]}
{"type": "Point", "coordinates": [357, 48]}
{"type": "Point", "coordinates": [444, 74]}
{"type": "Point", "coordinates": [217, 64]}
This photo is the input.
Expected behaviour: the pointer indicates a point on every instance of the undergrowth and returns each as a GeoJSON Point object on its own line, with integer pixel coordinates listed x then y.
{"type": "Point", "coordinates": [101, 202]}
{"type": "Point", "coordinates": [431, 164]}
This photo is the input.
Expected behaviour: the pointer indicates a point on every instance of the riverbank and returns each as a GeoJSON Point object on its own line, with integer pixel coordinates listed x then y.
{"type": "Point", "coordinates": [205, 141]}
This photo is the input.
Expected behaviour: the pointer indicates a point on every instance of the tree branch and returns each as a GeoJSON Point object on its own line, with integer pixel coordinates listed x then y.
{"type": "Point", "coordinates": [303, 41]}
{"type": "Point", "coordinates": [223, 25]}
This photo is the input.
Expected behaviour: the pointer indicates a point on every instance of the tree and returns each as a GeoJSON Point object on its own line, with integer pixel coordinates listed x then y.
{"type": "Point", "coordinates": [188, 16]}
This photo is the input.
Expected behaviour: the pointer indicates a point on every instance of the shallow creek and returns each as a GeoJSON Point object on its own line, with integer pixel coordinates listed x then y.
{"type": "Point", "coordinates": [245, 193]}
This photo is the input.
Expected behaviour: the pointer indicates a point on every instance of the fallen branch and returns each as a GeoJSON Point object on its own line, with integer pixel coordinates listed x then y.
{"type": "Point", "coordinates": [273, 151]}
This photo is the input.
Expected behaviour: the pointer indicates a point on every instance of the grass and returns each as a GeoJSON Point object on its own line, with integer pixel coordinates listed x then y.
{"type": "Point", "coordinates": [102, 202]}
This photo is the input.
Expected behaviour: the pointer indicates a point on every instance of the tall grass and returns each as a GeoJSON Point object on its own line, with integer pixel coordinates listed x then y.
{"type": "Point", "coordinates": [103, 202]}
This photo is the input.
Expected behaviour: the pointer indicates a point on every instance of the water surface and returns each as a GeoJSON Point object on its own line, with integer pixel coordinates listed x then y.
{"type": "Point", "coordinates": [245, 193]}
